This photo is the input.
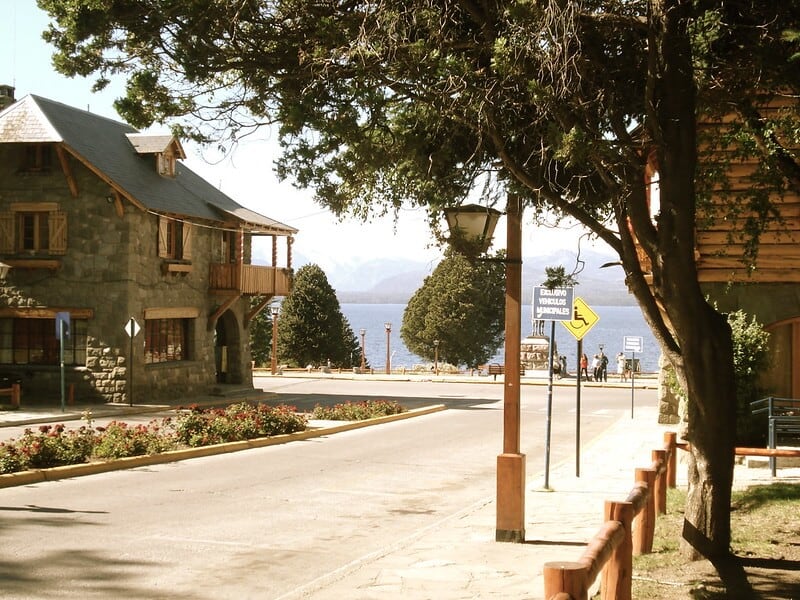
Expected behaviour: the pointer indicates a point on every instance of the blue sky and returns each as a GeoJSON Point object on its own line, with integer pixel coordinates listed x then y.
{"type": "Point", "coordinates": [247, 174]}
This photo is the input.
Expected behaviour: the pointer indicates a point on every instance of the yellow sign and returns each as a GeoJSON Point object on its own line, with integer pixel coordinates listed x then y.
{"type": "Point", "coordinates": [583, 319]}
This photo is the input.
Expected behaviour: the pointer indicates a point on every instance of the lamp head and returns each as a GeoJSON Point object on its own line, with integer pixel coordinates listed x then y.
{"type": "Point", "coordinates": [471, 228]}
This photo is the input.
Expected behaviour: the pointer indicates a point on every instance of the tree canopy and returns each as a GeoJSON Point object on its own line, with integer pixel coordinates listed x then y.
{"type": "Point", "coordinates": [460, 304]}
{"type": "Point", "coordinates": [565, 104]}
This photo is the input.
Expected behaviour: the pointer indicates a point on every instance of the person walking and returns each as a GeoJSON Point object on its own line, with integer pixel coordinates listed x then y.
{"type": "Point", "coordinates": [621, 372]}
{"type": "Point", "coordinates": [596, 368]}
{"type": "Point", "coordinates": [584, 367]}
{"type": "Point", "coordinates": [603, 367]}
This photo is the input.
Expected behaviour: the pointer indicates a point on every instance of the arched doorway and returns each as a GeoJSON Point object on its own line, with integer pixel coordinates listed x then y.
{"type": "Point", "coordinates": [227, 349]}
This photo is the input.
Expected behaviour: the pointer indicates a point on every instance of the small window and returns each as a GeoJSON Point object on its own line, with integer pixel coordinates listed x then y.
{"type": "Point", "coordinates": [166, 164]}
{"type": "Point", "coordinates": [37, 158]}
{"type": "Point", "coordinates": [174, 239]}
{"type": "Point", "coordinates": [32, 232]}
{"type": "Point", "coordinates": [166, 340]}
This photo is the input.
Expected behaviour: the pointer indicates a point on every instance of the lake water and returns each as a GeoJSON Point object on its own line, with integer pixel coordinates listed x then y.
{"type": "Point", "coordinates": [615, 322]}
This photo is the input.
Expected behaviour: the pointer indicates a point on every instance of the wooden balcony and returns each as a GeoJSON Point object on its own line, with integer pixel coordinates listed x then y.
{"type": "Point", "coordinates": [250, 279]}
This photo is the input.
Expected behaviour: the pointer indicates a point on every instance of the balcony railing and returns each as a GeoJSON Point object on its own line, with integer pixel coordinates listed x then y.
{"type": "Point", "coordinates": [250, 279]}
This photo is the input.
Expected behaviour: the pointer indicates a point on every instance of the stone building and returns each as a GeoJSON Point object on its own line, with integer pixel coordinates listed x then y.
{"type": "Point", "coordinates": [103, 227]}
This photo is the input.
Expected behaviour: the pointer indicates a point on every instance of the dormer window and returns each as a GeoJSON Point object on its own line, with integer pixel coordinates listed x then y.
{"type": "Point", "coordinates": [166, 148]}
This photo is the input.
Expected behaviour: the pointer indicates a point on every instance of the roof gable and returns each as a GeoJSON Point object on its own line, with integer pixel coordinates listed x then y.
{"type": "Point", "coordinates": [110, 147]}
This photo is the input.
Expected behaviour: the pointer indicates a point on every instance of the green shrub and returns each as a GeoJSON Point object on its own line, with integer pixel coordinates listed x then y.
{"type": "Point", "coordinates": [750, 355]}
{"type": "Point", "coordinates": [118, 439]}
{"type": "Point", "coordinates": [357, 411]}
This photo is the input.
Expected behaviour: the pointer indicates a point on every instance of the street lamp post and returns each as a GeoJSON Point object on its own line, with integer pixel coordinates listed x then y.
{"type": "Point", "coordinates": [436, 356]}
{"type": "Point", "coordinates": [274, 363]}
{"type": "Point", "coordinates": [388, 327]}
{"type": "Point", "coordinates": [363, 356]}
{"type": "Point", "coordinates": [510, 523]}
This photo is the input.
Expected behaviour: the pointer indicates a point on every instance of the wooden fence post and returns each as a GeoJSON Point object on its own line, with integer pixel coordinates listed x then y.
{"type": "Point", "coordinates": [646, 519]}
{"type": "Point", "coordinates": [670, 439]}
{"type": "Point", "coordinates": [16, 395]}
{"type": "Point", "coordinates": [566, 577]}
{"type": "Point", "coordinates": [660, 491]}
{"type": "Point", "coordinates": [617, 575]}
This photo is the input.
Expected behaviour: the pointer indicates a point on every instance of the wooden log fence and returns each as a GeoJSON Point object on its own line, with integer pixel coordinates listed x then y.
{"type": "Point", "coordinates": [627, 530]}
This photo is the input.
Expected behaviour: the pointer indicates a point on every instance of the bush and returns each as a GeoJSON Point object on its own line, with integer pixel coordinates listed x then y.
{"type": "Point", "coordinates": [357, 411]}
{"type": "Point", "coordinates": [53, 445]}
{"type": "Point", "coordinates": [118, 440]}
{"type": "Point", "coordinates": [203, 427]}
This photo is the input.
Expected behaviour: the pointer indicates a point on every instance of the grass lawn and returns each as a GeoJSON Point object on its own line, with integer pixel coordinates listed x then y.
{"type": "Point", "coordinates": [765, 562]}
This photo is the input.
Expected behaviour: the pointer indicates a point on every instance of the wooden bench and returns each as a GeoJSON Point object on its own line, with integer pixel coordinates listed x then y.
{"type": "Point", "coordinates": [495, 369]}
{"type": "Point", "coordinates": [14, 391]}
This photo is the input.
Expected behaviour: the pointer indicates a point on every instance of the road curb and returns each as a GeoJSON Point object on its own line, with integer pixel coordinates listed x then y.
{"type": "Point", "coordinates": [93, 468]}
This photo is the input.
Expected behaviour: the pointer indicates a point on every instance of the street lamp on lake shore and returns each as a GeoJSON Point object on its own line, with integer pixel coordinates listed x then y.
{"type": "Point", "coordinates": [388, 327]}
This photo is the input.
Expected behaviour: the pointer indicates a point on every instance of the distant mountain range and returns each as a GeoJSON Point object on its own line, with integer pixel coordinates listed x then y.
{"type": "Point", "coordinates": [394, 281]}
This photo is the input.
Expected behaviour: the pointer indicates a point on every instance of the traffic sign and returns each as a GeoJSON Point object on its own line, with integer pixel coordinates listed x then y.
{"type": "Point", "coordinates": [62, 325]}
{"type": "Point", "coordinates": [583, 319]}
{"type": "Point", "coordinates": [132, 327]}
{"type": "Point", "coordinates": [632, 343]}
{"type": "Point", "coordinates": [552, 304]}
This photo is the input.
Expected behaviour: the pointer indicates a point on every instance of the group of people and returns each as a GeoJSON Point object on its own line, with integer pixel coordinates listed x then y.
{"type": "Point", "coordinates": [600, 367]}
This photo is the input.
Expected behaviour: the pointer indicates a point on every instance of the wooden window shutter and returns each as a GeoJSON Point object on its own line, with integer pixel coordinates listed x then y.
{"type": "Point", "coordinates": [7, 233]}
{"type": "Point", "coordinates": [57, 226]}
{"type": "Point", "coordinates": [187, 241]}
{"type": "Point", "coordinates": [163, 247]}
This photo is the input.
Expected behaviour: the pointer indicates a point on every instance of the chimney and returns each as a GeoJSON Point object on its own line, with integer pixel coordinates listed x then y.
{"type": "Point", "coordinates": [6, 95]}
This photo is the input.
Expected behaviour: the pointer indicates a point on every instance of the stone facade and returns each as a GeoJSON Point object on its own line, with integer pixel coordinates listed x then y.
{"type": "Point", "coordinates": [112, 272]}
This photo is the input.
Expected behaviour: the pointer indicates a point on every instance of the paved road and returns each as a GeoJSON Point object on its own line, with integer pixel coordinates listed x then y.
{"type": "Point", "coordinates": [276, 522]}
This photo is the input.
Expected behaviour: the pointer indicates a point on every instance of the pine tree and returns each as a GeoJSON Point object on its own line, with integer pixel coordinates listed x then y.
{"type": "Point", "coordinates": [311, 327]}
{"type": "Point", "coordinates": [461, 305]}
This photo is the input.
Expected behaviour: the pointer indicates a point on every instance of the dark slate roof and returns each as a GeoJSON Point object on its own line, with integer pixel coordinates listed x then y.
{"type": "Point", "coordinates": [102, 143]}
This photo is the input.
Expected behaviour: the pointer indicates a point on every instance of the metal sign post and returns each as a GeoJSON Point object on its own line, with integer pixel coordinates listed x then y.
{"type": "Point", "coordinates": [62, 329]}
{"type": "Point", "coordinates": [554, 304]}
{"type": "Point", "coordinates": [632, 344]}
{"type": "Point", "coordinates": [583, 319]}
{"type": "Point", "coordinates": [131, 328]}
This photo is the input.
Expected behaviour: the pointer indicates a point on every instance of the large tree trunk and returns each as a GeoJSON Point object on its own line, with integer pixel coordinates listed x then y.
{"type": "Point", "coordinates": [703, 358]}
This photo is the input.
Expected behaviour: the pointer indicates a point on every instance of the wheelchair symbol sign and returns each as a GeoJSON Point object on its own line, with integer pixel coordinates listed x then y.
{"type": "Point", "coordinates": [583, 319]}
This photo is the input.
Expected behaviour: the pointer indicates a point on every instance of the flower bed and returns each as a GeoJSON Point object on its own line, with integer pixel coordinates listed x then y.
{"type": "Point", "coordinates": [357, 411]}
{"type": "Point", "coordinates": [55, 445]}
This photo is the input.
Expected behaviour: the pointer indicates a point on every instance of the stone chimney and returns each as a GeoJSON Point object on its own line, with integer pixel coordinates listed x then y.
{"type": "Point", "coordinates": [6, 95]}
